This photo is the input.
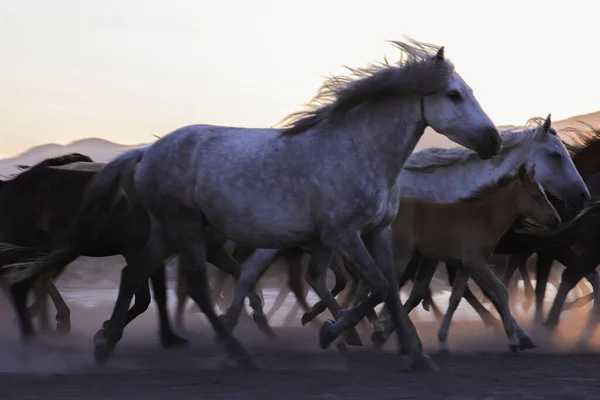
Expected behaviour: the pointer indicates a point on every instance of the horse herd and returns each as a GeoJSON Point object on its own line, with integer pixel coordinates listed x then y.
{"type": "Point", "coordinates": [339, 182]}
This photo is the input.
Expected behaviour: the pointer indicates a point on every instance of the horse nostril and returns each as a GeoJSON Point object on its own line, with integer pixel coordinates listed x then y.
{"type": "Point", "coordinates": [584, 195]}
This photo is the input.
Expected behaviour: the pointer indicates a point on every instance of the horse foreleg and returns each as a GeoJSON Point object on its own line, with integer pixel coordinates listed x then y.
{"type": "Point", "coordinates": [484, 313]}
{"type": "Point", "coordinates": [497, 293]}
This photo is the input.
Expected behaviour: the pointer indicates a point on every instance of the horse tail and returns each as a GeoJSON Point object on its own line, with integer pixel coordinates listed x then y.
{"type": "Point", "coordinates": [100, 197]}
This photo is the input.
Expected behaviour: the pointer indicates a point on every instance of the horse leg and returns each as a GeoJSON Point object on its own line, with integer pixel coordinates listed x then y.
{"type": "Point", "coordinates": [225, 261]}
{"type": "Point", "coordinates": [282, 295]}
{"type": "Point", "coordinates": [372, 258]}
{"type": "Point", "coordinates": [134, 278]}
{"type": "Point", "coordinates": [592, 278]}
{"type": "Point", "coordinates": [576, 269]}
{"type": "Point", "coordinates": [168, 338]}
{"type": "Point", "coordinates": [594, 315]}
{"type": "Point", "coordinates": [527, 285]}
{"type": "Point", "coordinates": [424, 274]}
{"type": "Point", "coordinates": [484, 313]}
{"type": "Point", "coordinates": [509, 280]}
{"type": "Point", "coordinates": [19, 292]}
{"type": "Point", "coordinates": [542, 271]}
{"type": "Point", "coordinates": [63, 314]}
{"type": "Point", "coordinates": [498, 294]}
{"type": "Point", "coordinates": [192, 258]}
{"type": "Point", "coordinates": [251, 270]}
{"type": "Point", "coordinates": [41, 299]}
{"type": "Point", "coordinates": [321, 305]}
{"type": "Point", "coordinates": [182, 295]}
{"type": "Point", "coordinates": [461, 277]}
{"type": "Point", "coordinates": [321, 258]}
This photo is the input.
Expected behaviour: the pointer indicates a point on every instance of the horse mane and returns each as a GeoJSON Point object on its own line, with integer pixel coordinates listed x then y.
{"type": "Point", "coordinates": [580, 139]}
{"type": "Point", "coordinates": [485, 190]}
{"type": "Point", "coordinates": [435, 157]}
{"type": "Point", "coordinates": [58, 161]}
{"type": "Point", "coordinates": [416, 73]}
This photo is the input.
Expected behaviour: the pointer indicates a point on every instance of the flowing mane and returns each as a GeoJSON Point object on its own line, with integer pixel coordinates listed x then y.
{"type": "Point", "coordinates": [485, 190]}
{"type": "Point", "coordinates": [580, 139]}
{"type": "Point", "coordinates": [416, 73]}
{"type": "Point", "coordinates": [435, 157]}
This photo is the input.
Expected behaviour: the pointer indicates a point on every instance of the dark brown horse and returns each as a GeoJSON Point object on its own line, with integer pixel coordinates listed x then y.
{"type": "Point", "coordinates": [37, 207]}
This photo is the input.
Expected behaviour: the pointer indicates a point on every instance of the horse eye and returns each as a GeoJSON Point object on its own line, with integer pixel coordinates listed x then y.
{"type": "Point", "coordinates": [555, 155]}
{"type": "Point", "coordinates": [454, 95]}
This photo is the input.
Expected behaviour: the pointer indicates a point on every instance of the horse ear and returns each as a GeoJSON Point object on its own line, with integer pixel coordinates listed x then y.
{"type": "Point", "coordinates": [531, 172]}
{"type": "Point", "coordinates": [522, 172]}
{"type": "Point", "coordinates": [547, 123]}
{"type": "Point", "coordinates": [440, 54]}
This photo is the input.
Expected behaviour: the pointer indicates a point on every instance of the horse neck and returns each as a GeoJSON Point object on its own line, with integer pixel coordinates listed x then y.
{"type": "Point", "coordinates": [386, 134]}
{"type": "Point", "coordinates": [501, 208]}
{"type": "Point", "coordinates": [510, 159]}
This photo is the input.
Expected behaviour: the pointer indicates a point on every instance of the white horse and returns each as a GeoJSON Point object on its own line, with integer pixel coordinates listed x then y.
{"type": "Point", "coordinates": [328, 181]}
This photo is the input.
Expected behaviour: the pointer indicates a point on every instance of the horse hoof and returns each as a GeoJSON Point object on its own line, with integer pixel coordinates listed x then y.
{"type": "Point", "coordinates": [63, 327]}
{"type": "Point", "coordinates": [238, 353]}
{"type": "Point", "coordinates": [263, 324]}
{"type": "Point", "coordinates": [102, 348]}
{"type": "Point", "coordinates": [353, 338]}
{"type": "Point", "coordinates": [327, 334]}
{"type": "Point", "coordinates": [422, 363]}
{"type": "Point", "coordinates": [378, 338]}
{"type": "Point", "coordinates": [172, 341]}
{"type": "Point", "coordinates": [526, 343]}
{"type": "Point", "coordinates": [306, 318]}
{"type": "Point", "coordinates": [514, 348]}
{"type": "Point", "coordinates": [444, 351]}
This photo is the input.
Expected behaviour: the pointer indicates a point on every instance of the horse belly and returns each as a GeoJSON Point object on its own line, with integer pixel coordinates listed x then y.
{"type": "Point", "coordinates": [264, 229]}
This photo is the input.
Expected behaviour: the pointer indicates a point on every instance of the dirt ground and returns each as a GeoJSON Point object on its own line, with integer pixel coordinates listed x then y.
{"type": "Point", "coordinates": [292, 367]}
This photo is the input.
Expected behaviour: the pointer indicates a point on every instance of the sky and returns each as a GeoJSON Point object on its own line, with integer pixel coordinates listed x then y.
{"type": "Point", "coordinates": [124, 70]}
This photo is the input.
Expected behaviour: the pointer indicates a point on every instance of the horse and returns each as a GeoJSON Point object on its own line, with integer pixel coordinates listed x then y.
{"type": "Point", "coordinates": [36, 208]}
{"type": "Point", "coordinates": [467, 231]}
{"type": "Point", "coordinates": [265, 188]}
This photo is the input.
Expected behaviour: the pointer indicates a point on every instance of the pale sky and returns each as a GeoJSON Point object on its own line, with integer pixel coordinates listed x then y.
{"type": "Point", "coordinates": [124, 70]}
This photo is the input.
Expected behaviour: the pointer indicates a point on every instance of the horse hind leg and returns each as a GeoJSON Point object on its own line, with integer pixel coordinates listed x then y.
{"type": "Point", "coordinates": [63, 313]}
{"type": "Point", "coordinates": [458, 288]}
{"type": "Point", "coordinates": [225, 261]}
{"type": "Point", "coordinates": [321, 257]}
{"type": "Point", "coordinates": [193, 258]}
{"type": "Point", "coordinates": [168, 338]}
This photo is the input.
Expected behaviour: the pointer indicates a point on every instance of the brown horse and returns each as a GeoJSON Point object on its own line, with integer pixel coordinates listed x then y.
{"type": "Point", "coordinates": [468, 231]}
